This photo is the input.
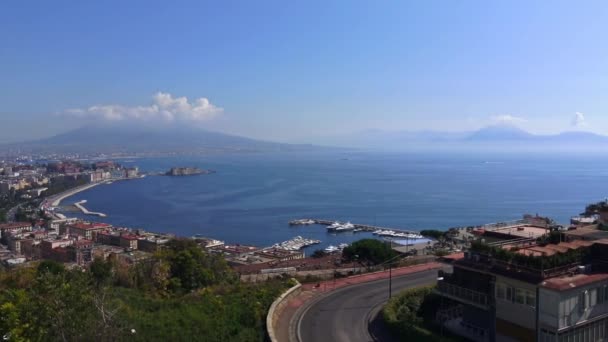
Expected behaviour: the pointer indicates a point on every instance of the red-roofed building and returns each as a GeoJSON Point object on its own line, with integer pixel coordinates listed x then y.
{"type": "Point", "coordinates": [86, 230]}
{"type": "Point", "coordinates": [128, 241]}
{"type": "Point", "coordinates": [14, 228]}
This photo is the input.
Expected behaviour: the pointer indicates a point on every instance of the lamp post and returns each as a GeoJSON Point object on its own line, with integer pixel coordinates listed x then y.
{"type": "Point", "coordinates": [440, 309]}
{"type": "Point", "coordinates": [390, 279]}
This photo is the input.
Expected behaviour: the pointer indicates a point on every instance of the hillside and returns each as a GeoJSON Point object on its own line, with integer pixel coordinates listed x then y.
{"type": "Point", "coordinates": [173, 139]}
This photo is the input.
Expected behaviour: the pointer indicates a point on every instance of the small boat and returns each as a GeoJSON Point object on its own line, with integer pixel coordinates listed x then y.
{"type": "Point", "coordinates": [331, 249]}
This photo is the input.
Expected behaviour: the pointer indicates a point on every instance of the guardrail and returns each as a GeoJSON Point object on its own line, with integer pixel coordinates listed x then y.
{"type": "Point", "coordinates": [276, 308]}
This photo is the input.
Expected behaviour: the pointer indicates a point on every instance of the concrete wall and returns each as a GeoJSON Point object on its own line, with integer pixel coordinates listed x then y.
{"type": "Point", "coordinates": [277, 308]}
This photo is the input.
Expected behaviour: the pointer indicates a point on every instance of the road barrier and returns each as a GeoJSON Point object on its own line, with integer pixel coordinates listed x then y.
{"type": "Point", "coordinates": [277, 307]}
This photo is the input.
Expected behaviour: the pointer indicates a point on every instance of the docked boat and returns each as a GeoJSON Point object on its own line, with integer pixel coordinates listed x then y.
{"type": "Point", "coordinates": [331, 249]}
{"type": "Point", "coordinates": [334, 226]}
{"type": "Point", "coordinates": [341, 227]}
{"type": "Point", "coordinates": [296, 243]}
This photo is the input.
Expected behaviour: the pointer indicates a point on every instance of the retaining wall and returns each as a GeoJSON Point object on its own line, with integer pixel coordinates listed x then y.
{"type": "Point", "coordinates": [277, 308]}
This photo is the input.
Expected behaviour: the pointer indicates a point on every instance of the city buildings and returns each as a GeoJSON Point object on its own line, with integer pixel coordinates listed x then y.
{"type": "Point", "coordinates": [525, 289]}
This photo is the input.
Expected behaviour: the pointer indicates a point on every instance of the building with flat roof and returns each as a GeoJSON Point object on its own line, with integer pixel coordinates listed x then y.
{"type": "Point", "coordinates": [86, 230]}
{"type": "Point", "coordinates": [14, 228]}
{"type": "Point", "coordinates": [525, 291]}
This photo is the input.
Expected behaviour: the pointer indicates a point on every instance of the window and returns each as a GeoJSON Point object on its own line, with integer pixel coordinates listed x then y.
{"type": "Point", "coordinates": [520, 296]}
{"type": "Point", "coordinates": [530, 298]}
{"type": "Point", "coordinates": [582, 302]}
{"type": "Point", "coordinates": [510, 295]}
{"type": "Point", "coordinates": [500, 291]}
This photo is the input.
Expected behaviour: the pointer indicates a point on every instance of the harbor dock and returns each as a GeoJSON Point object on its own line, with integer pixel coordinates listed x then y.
{"type": "Point", "coordinates": [85, 211]}
{"type": "Point", "coordinates": [361, 227]}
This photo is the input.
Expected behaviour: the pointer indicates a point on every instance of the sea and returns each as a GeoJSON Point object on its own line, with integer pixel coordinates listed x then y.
{"type": "Point", "coordinates": [252, 197]}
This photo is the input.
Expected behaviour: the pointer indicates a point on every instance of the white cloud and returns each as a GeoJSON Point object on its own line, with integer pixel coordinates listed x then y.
{"type": "Point", "coordinates": [507, 119]}
{"type": "Point", "coordinates": [579, 120]}
{"type": "Point", "coordinates": [164, 107]}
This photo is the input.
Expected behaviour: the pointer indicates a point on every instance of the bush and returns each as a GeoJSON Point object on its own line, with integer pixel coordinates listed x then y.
{"type": "Point", "coordinates": [411, 315]}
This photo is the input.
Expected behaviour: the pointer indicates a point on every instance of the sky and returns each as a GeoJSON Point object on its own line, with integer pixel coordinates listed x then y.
{"type": "Point", "coordinates": [296, 70]}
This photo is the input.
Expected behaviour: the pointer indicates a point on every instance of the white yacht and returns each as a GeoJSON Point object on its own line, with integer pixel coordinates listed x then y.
{"type": "Point", "coordinates": [348, 226]}
{"type": "Point", "coordinates": [334, 226]}
{"type": "Point", "coordinates": [331, 249]}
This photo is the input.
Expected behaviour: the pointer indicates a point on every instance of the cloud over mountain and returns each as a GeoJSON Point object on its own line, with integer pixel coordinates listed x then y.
{"type": "Point", "coordinates": [579, 120]}
{"type": "Point", "coordinates": [164, 107]}
{"type": "Point", "coordinates": [507, 119]}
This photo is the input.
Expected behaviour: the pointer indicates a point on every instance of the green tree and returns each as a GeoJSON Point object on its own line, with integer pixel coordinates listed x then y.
{"type": "Point", "coordinates": [370, 251]}
{"type": "Point", "coordinates": [101, 271]}
{"type": "Point", "coordinates": [50, 266]}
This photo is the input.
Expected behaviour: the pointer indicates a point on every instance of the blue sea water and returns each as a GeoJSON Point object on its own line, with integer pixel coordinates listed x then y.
{"type": "Point", "coordinates": [252, 197]}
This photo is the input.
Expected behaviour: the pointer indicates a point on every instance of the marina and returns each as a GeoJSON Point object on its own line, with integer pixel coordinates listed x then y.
{"type": "Point", "coordinates": [296, 243]}
{"type": "Point", "coordinates": [337, 226]}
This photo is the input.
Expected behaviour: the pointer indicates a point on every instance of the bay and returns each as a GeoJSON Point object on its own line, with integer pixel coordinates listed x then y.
{"type": "Point", "coordinates": [252, 197]}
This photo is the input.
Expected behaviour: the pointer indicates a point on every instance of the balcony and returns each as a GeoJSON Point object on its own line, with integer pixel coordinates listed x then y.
{"type": "Point", "coordinates": [463, 295]}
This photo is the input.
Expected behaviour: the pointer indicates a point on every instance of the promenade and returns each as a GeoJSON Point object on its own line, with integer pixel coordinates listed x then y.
{"type": "Point", "coordinates": [57, 199]}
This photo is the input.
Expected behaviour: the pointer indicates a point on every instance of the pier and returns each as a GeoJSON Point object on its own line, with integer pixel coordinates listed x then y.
{"type": "Point", "coordinates": [363, 227]}
{"type": "Point", "coordinates": [85, 211]}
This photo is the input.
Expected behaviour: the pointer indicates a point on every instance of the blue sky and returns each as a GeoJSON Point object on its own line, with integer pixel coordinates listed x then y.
{"type": "Point", "coordinates": [292, 71]}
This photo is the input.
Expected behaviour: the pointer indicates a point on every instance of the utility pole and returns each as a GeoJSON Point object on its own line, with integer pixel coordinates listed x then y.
{"type": "Point", "coordinates": [390, 280]}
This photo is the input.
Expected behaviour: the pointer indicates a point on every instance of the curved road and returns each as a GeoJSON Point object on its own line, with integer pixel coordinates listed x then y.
{"type": "Point", "coordinates": [349, 314]}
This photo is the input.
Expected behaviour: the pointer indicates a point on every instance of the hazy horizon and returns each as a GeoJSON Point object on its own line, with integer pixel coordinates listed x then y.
{"type": "Point", "coordinates": [299, 73]}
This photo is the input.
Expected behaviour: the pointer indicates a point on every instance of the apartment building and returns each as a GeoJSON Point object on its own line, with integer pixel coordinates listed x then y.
{"type": "Point", "coordinates": [520, 290]}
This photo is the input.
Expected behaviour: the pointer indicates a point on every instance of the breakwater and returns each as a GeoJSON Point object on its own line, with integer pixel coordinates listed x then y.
{"type": "Point", "coordinates": [85, 211]}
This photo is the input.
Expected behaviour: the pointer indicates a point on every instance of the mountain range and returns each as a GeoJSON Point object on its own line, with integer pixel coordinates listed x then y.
{"type": "Point", "coordinates": [180, 139]}
{"type": "Point", "coordinates": [499, 137]}
{"type": "Point", "coordinates": [146, 139]}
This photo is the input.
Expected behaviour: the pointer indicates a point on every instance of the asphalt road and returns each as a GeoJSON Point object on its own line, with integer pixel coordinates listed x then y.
{"type": "Point", "coordinates": [350, 314]}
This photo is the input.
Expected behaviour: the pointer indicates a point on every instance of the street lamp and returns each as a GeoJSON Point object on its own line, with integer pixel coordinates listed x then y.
{"type": "Point", "coordinates": [390, 279]}
{"type": "Point", "coordinates": [441, 308]}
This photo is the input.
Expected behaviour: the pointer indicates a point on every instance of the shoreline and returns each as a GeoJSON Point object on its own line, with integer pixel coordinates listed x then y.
{"type": "Point", "coordinates": [57, 201]}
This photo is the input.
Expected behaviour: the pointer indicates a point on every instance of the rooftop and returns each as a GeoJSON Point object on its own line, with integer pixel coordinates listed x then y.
{"type": "Point", "coordinates": [570, 282]}
{"type": "Point", "coordinates": [90, 226]}
{"type": "Point", "coordinates": [523, 231]}
{"type": "Point", "coordinates": [587, 233]}
{"type": "Point", "coordinates": [14, 225]}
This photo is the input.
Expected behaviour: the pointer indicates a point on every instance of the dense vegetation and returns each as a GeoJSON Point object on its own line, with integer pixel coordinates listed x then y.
{"type": "Point", "coordinates": [433, 233]}
{"type": "Point", "coordinates": [181, 294]}
{"type": "Point", "coordinates": [411, 316]}
{"type": "Point", "coordinates": [369, 251]}
{"type": "Point", "coordinates": [595, 208]}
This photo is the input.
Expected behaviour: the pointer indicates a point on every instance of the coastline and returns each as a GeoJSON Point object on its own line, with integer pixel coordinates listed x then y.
{"type": "Point", "coordinates": [57, 201]}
